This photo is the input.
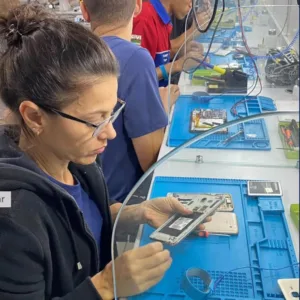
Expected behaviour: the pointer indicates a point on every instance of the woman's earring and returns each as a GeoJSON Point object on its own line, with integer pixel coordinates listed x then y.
{"type": "Point", "coordinates": [36, 131]}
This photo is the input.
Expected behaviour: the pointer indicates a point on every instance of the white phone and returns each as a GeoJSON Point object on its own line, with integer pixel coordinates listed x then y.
{"type": "Point", "coordinates": [290, 288]}
{"type": "Point", "coordinates": [178, 227]}
{"type": "Point", "coordinates": [223, 223]}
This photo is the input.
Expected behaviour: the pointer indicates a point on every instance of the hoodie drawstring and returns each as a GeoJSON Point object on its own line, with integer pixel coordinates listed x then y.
{"type": "Point", "coordinates": [78, 263]}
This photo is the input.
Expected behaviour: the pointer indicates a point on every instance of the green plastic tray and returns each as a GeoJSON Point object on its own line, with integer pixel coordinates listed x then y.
{"type": "Point", "coordinates": [289, 154]}
{"type": "Point", "coordinates": [295, 214]}
{"type": "Point", "coordinates": [205, 73]}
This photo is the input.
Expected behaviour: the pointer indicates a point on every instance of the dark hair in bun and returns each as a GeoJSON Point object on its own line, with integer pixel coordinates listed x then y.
{"type": "Point", "coordinates": [49, 61]}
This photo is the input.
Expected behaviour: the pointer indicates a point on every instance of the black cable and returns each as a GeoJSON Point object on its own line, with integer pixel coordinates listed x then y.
{"type": "Point", "coordinates": [233, 109]}
{"type": "Point", "coordinates": [286, 19]}
{"type": "Point", "coordinates": [209, 47]}
{"type": "Point", "coordinates": [211, 19]}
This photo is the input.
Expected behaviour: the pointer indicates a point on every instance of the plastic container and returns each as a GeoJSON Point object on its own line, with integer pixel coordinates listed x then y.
{"type": "Point", "coordinates": [271, 39]}
{"type": "Point", "coordinates": [294, 210]}
{"type": "Point", "coordinates": [264, 18]}
{"type": "Point", "coordinates": [292, 153]}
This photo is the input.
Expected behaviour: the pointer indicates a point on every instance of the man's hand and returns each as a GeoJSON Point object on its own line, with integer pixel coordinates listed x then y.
{"type": "Point", "coordinates": [186, 64]}
{"type": "Point", "coordinates": [203, 18]}
{"type": "Point", "coordinates": [174, 93]}
{"type": "Point", "coordinates": [158, 211]}
{"type": "Point", "coordinates": [194, 46]}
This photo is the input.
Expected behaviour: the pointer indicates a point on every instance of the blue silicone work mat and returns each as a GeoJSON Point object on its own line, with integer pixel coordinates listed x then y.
{"type": "Point", "coordinates": [220, 36]}
{"type": "Point", "coordinates": [255, 134]}
{"type": "Point", "coordinates": [263, 242]}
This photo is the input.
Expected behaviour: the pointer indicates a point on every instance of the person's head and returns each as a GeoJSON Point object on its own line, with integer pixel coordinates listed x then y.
{"type": "Point", "coordinates": [180, 8]}
{"type": "Point", "coordinates": [54, 67]}
{"type": "Point", "coordinates": [110, 13]}
{"type": "Point", "coordinates": [7, 5]}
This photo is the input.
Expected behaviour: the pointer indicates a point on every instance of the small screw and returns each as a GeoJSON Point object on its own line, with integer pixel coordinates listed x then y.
{"type": "Point", "coordinates": [199, 159]}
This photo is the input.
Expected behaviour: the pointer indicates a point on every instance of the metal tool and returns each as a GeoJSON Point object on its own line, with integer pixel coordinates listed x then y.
{"type": "Point", "coordinates": [206, 234]}
{"type": "Point", "coordinates": [233, 137]}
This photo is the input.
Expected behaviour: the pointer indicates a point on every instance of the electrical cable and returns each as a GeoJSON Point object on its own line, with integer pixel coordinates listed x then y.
{"type": "Point", "coordinates": [211, 19]}
{"type": "Point", "coordinates": [209, 47]}
{"type": "Point", "coordinates": [244, 20]}
{"type": "Point", "coordinates": [208, 79]}
{"type": "Point", "coordinates": [172, 66]}
{"type": "Point", "coordinates": [167, 157]}
{"type": "Point", "coordinates": [178, 149]}
{"type": "Point", "coordinates": [286, 19]}
{"type": "Point", "coordinates": [258, 79]}
{"type": "Point", "coordinates": [185, 31]}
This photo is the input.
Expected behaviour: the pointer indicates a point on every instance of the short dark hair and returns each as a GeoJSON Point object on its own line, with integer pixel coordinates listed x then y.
{"type": "Point", "coordinates": [110, 12]}
{"type": "Point", "coordinates": [49, 61]}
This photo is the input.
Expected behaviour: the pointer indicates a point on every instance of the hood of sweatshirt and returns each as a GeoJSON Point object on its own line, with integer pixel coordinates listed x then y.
{"type": "Point", "coordinates": [19, 172]}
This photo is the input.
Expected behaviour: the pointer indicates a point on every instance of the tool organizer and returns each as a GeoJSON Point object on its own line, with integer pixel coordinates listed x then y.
{"type": "Point", "coordinates": [263, 241]}
{"type": "Point", "coordinates": [180, 125]}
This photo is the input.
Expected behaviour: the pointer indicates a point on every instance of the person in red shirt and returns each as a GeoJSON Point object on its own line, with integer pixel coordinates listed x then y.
{"type": "Point", "coordinates": [154, 26]}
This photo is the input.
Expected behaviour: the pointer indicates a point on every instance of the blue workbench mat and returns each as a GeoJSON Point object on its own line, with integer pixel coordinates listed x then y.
{"type": "Point", "coordinates": [263, 241]}
{"type": "Point", "coordinates": [220, 36]}
{"type": "Point", "coordinates": [180, 125]}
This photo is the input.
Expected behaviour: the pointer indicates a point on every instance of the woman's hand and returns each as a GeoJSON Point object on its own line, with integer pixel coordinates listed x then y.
{"type": "Point", "coordinates": [158, 211]}
{"type": "Point", "coordinates": [136, 271]}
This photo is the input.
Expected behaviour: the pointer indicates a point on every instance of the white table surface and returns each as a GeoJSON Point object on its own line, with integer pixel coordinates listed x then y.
{"type": "Point", "coordinates": [235, 164]}
{"type": "Point", "coordinates": [242, 164]}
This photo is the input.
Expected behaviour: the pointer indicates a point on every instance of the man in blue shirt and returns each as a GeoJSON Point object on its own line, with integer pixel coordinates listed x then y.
{"type": "Point", "coordinates": [140, 128]}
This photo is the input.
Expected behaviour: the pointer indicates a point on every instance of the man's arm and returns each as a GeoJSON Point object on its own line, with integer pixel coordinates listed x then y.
{"type": "Point", "coordinates": [144, 115]}
{"type": "Point", "coordinates": [177, 42]}
{"type": "Point", "coordinates": [203, 19]}
{"type": "Point", "coordinates": [177, 67]}
{"type": "Point", "coordinates": [147, 148]}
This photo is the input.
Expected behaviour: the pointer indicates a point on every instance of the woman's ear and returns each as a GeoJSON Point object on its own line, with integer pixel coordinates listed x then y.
{"type": "Point", "coordinates": [85, 12]}
{"type": "Point", "coordinates": [138, 7]}
{"type": "Point", "coordinates": [32, 116]}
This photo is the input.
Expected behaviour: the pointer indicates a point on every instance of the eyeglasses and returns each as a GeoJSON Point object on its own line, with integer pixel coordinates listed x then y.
{"type": "Point", "coordinates": [98, 127]}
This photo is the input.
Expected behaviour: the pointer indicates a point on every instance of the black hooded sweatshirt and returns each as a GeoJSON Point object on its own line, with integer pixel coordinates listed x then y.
{"type": "Point", "coordinates": [46, 249]}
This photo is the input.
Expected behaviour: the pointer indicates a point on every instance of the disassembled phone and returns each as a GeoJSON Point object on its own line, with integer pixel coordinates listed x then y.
{"type": "Point", "coordinates": [205, 119]}
{"type": "Point", "coordinates": [223, 223]}
{"type": "Point", "coordinates": [290, 288]}
{"type": "Point", "coordinates": [264, 188]}
{"type": "Point", "coordinates": [178, 226]}
{"type": "Point", "coordinates": [185, 199]}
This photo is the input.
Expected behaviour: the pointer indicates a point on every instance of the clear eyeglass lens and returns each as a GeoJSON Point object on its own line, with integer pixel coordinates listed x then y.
{"type": "Point", "coordinates": [110, 119]}
{"type": "Point", "coordinates": [101, 126]}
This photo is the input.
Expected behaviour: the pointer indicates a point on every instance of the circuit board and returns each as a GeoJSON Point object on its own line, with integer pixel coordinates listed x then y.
{"type": "Point", "coordinates": [205, 119]}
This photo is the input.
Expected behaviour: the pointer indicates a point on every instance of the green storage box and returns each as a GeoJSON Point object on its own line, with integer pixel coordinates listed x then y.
{"type": "Point", "coordinates": [204, 73]}
{"type": "Point", "coordinates": [290, 154]}
{"type": "Point", "coordinates": [294, 210]}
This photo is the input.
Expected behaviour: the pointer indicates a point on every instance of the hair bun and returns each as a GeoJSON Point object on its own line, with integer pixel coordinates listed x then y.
{"type": "Point", "coordinates": [13, 36]}
{"type": "Point", "coordinates": [22, 21]}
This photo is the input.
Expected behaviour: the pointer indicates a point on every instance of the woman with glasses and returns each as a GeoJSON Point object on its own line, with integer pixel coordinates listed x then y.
{"type": "Point", "coordinates": [59, 82]}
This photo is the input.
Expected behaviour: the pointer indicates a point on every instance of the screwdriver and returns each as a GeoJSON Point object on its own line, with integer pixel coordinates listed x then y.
{"type": "Point", "coordinates": [206, 234]}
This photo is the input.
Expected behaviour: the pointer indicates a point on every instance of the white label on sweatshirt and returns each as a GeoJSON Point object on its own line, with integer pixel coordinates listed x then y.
{"type": "Point", "coordinates": [5, 199]}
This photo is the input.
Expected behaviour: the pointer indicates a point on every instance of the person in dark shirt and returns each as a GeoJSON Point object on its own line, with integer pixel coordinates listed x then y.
{"type": "Point", "coordinates": [60, 82]}
{"type": "Point", "coordinates": [140, 127]}
{"type": "Point", "coordinates": [154, 26]}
